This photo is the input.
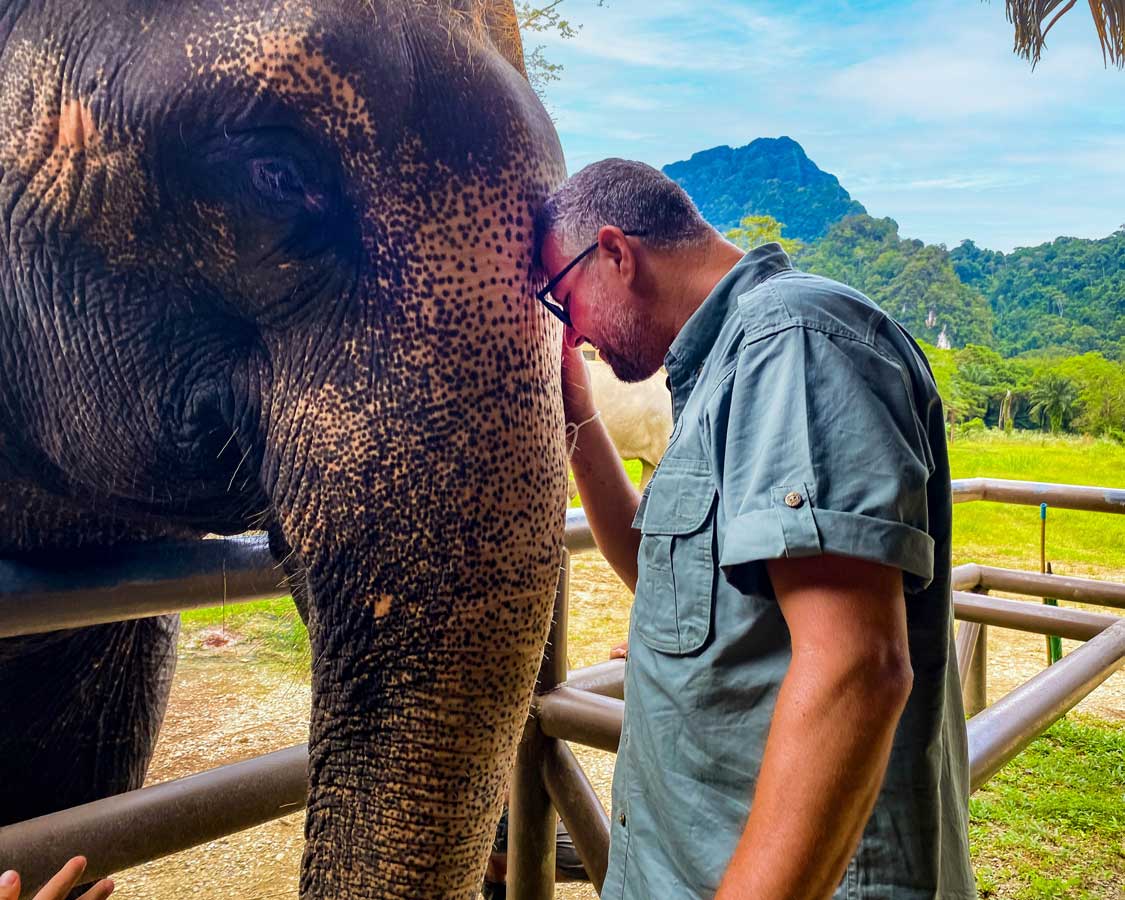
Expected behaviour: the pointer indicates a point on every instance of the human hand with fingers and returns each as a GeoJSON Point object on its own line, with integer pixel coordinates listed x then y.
{"type": "Point", "coordinates": [578, 398]}
{"type": "Point", "coordinates": [59, 886]}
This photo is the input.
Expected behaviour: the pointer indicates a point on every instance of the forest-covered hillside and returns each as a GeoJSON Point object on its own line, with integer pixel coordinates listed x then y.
{"type": "Point", "coordinates": [1058, 299]}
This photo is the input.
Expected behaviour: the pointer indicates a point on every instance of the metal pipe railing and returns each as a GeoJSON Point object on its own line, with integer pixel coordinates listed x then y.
{"type": "Point", "coordinates": [135, 582]}
{"type": "Point", "coordinates": [1060, 587]}
{"type": "Point", "coordinates": [128, 829]}
{"type": "Point", "coordinates": [581, 717]}
{"type": "Point", "coordinates": [1076, 624]}
{"type": "Point", "coordinates": [972, 665]}
{"type": "Point", "coordinates": [582, 812]}
{"type": "Point", "coordinates": [163, 578]}
{"type": "Point", "coordinates": [1033, 493]}
{"type": "Point", "coordinates": [156, 579]}
{"type": "Point", "coordinates": [1014, 721]}
{"type": "Point", "coordinates": [965, 577]}
{"type": "Point", "coordinates": [604, 678]}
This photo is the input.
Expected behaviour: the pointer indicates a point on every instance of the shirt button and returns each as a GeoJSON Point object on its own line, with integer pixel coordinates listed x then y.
{"type": "Point", "coordinates": [621, 819]}
{"type": "Point", "coordinates": [793, 499]}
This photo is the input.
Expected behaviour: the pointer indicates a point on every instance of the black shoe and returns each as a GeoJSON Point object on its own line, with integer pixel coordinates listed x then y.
{"type": "Point", "coordinates": [492, 890]}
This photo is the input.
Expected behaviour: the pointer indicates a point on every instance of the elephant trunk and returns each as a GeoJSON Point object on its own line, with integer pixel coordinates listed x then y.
{"type": "Point", "coordinates": [431, 535]}
{"type": "Point", "coordinates": [410, 750]}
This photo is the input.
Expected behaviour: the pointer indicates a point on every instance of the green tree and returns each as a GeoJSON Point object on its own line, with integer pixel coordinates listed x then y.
{"type": "Point", "coordinates": [913, 282]}
{"type": "Point", "coordinates": [1101, 392]}
{"type": "Point", "coordinates": [989, 380]}
{"type": "Point", "coordinates": [1054, 399]}
{"type": "Point", "coordinates": [1065, 295]}
{"type": "Point", "coordinates": [753, 231]}
{"type": "Point", "coordinates": [535, 19]}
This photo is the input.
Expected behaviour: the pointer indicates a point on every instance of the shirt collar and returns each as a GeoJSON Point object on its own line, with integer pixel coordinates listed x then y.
{"type": "Point", "coordinates": [694, 342]}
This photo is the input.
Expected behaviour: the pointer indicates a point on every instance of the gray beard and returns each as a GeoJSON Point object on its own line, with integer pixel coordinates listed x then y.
{"type": "Point", "coordinates": [632, 349]}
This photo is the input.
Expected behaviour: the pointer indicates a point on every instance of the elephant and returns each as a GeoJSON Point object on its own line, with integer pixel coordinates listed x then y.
{"type": "Point", "coordinates": [637, 416]}
{"type": "Point", "coordinates": [255, 254]}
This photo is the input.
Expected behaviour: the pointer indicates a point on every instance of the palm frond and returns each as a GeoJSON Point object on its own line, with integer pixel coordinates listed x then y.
{"type": "Point", "coordinates": [1033, 19]}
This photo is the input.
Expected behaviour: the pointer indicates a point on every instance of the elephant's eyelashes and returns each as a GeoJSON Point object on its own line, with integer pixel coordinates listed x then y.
{"type": "Point", "coordinates": [278, 180]}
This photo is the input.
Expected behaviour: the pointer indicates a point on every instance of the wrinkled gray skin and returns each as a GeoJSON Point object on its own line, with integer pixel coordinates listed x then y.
{"type": "Point", "coordinates": [269, 265]}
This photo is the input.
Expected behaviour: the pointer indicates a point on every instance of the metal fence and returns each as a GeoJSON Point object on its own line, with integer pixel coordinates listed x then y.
{"type": "Point", "coordinates": [583, 706]}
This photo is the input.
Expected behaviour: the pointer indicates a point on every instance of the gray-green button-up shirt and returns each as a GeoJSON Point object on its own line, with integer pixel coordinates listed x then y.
{"type": "Point", "coordinates": [806, 422]}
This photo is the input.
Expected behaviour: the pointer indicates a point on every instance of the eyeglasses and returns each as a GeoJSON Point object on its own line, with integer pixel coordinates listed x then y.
{"type": "Point", "coordinates": [546, 295]}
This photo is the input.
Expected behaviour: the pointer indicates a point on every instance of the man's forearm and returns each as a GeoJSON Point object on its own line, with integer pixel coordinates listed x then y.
{"type": "Point", "coordinates": [824, 763]}
{"type": "Point", "coordinates": [608, 497]}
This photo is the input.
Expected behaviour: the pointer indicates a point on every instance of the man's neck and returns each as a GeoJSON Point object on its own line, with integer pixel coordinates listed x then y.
{"type": "Point", "coordinates": [696, 274]}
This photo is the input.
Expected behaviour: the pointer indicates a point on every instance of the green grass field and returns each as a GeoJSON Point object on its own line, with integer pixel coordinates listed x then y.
{"type": "Point", "coordinates": [1052, 823]}
{"type": "Point", "coordinates": [1001, 534]}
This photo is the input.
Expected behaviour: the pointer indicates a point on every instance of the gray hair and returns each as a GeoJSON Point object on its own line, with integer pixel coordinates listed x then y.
{"type": "Point", "coordinates": [628, 194]}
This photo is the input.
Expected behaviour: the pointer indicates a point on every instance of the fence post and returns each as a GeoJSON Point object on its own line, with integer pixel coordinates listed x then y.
{"type": "Point", "coordinates": [1054, 644]}
{"type": "Point", "coordinates": [974, 686]}
{"type": "Point", "coordinates": [531, 816]}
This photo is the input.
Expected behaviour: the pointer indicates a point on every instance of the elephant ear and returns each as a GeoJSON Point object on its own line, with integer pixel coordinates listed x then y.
{"type": "Point", "coordinates": [503, 28]}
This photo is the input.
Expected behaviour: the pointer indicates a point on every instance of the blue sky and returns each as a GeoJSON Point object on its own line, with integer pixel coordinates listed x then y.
{"type": "Point", "coordinates": [919, 108]}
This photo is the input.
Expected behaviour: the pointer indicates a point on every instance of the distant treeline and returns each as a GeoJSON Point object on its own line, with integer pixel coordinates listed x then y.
{"type": "Point", "coordinates": [1083, 394]}
{"type": "Point", "coordinates": [1030, 339]}
{"type": "Point", "coordinates": [1062, 298]}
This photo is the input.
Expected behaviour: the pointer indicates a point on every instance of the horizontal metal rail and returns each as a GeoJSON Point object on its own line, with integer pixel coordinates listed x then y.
{"type": "Point", "coordinates": [1011, 723]}
{"type": "Point", "coordinates": [152, 580]}
{"type": "Point", "coordinates": [157, 579]}
{"type": "Point", "coordinates": [1061, 587]}
{"type": "Point", "coordinates": [128, 829]}
{"type": "Point", "coordinates": [604, 678]}
{"type": "Point", "coordinates": [1032, 493]}
{"type": "Point", "coordinates": [580, 717]}
{"type": "Point", "coordinates": [965, 577]}
{"type": "Point", "coordinates": [135, 582]}
{"type": "Point", "coordinates": [1019, 615]}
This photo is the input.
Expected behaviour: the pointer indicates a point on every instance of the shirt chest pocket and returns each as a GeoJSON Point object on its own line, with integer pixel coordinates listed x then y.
{"type": "Point", "coordinates": [676, 563]}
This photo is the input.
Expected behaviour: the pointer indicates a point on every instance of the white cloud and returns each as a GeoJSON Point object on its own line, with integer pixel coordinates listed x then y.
{"type": "Point", "coordinates": [920, 108]}
{"type": "Point", "coordinates": [672, 35]}
{"type": "Point", "coordinates": [949, 71]}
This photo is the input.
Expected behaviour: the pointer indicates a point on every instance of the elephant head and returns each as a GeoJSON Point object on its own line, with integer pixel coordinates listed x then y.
{"type": "Point", "coordinates": [270, 265]}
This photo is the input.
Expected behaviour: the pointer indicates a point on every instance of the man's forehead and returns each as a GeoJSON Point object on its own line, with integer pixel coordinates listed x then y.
{"type": "Point", "coordinates": [550, 252]}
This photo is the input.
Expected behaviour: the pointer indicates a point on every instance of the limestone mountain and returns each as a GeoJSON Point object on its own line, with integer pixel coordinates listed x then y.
{"type": "Point", "coordinates": [769, 176]}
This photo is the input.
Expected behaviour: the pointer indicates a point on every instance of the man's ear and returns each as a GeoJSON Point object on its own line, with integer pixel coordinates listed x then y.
{"type": "Point", "coordinates": [617, 249]}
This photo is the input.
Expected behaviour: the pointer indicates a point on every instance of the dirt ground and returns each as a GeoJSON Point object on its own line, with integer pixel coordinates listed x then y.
{"type": "Point", "coordinates": [224, 708]}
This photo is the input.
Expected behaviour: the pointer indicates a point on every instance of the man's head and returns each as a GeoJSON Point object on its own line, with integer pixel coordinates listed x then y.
{"type": "Point", "coordinates": [619, 296]}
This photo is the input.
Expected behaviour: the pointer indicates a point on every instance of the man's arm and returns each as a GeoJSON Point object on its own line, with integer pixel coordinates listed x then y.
{"type": "Point", "coordinates": [608, 496]}
{"type": "Point", "coordinates": [832, 728]}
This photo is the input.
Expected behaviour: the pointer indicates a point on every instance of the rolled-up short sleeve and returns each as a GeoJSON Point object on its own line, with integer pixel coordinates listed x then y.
{"type": "Point", "coordinates": [818, 449]}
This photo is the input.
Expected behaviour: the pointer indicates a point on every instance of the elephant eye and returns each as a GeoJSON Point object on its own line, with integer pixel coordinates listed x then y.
{"type": "Point", "coordinates": [279, 180]}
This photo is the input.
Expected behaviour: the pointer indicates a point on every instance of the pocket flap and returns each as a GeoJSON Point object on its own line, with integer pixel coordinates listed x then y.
{"type": "Point", "coordinates": [679, 501]}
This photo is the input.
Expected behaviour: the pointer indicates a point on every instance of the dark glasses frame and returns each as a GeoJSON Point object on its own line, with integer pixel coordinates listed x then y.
{"type": "Point", "coordinates": [546, 297]}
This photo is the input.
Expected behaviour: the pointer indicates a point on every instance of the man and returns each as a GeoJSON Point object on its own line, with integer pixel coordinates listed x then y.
{"type": "Point", "coordinates": [793, 722]}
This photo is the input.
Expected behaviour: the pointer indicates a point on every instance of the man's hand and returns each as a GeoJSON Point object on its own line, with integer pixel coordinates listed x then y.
{"type": "Point", "coordinates": [832, 728]}
{"type": "Point", "coordinates": [578, 399]}
{"type": "Point", "coordinates": [59, 886]}
{"type": "Point", "coordinates": [621, 651]}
